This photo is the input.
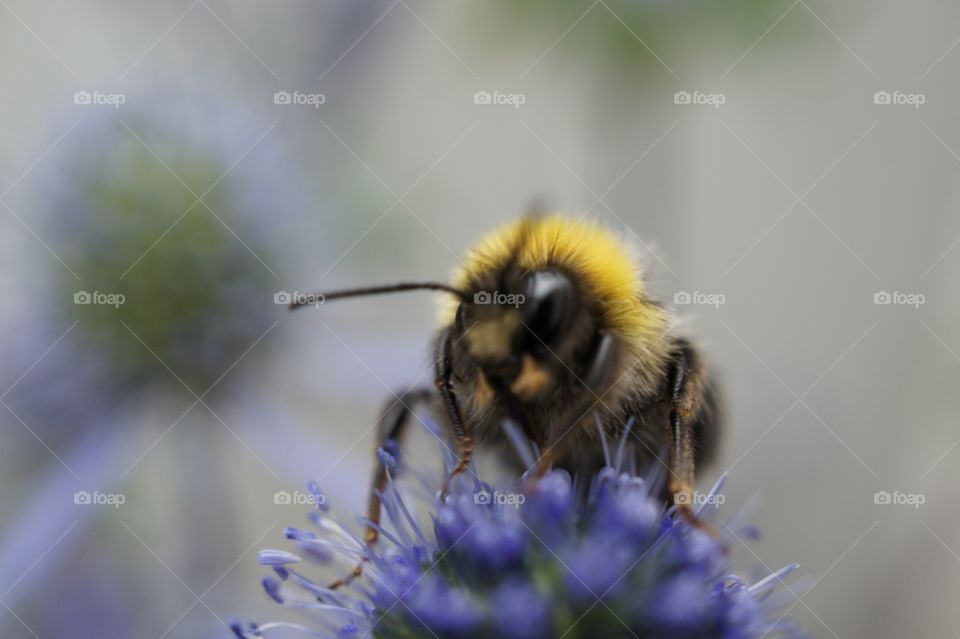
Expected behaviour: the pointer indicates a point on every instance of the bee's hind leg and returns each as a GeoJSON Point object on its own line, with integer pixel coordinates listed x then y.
{"type": "Point", "coordinates": [391, 426]}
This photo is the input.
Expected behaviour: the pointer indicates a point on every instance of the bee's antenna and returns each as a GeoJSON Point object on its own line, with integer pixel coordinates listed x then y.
{"type": "Point", "coordinates": [320, 297]}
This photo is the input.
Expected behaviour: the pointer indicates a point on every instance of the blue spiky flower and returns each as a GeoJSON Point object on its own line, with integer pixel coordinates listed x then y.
{"type": "Point", "coordinates": [558, 560]}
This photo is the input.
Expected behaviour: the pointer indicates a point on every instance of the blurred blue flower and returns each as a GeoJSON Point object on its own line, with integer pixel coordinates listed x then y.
{"type": "Point", "coordinates": [607, 561]}
{"type": "Point", "coordinates": [171, 222]}
{"type": "Point", "coordinates": [169, 241]}
{"type": "Point", "coordinates": [87, 371]}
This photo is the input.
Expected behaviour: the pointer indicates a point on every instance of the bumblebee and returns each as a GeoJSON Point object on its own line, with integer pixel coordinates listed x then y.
{"type": "Point", "coordinates": [550, 326]}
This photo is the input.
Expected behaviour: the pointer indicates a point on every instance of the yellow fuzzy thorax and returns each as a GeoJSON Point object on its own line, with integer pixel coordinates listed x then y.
{"type": "Point", "coordinates": [596, 256]}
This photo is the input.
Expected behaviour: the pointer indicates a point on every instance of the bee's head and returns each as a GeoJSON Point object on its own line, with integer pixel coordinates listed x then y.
{"type": "Point", "coordinates": [516, 333]}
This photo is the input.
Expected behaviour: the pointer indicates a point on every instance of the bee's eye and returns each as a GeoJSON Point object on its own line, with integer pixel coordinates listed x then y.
{"type": "Point", "coordinates": [549, 303]}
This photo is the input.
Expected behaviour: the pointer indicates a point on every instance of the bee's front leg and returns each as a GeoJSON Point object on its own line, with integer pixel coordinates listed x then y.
{"type": "Point", "coordinates": [461, 430]}
{"type": "Point", "coordinates": [687, 388]}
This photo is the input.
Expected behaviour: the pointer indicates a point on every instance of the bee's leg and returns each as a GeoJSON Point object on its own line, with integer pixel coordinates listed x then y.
{"type": "Point", "coordinates": [461, 430]}
{"type": "Point", "coordinates": [390, 427]}
{"type": "Point", "coordinates": [687, 388]}
{"type": "Point", "coordinates": [601, 373]}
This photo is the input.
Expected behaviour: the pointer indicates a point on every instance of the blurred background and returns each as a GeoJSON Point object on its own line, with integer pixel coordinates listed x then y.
{"type": "Point", "coordinates": [787, 168]}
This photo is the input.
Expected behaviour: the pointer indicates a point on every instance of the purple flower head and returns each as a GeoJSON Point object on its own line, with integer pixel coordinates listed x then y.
{"type": "Point", "coordinates": [607, 559]}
